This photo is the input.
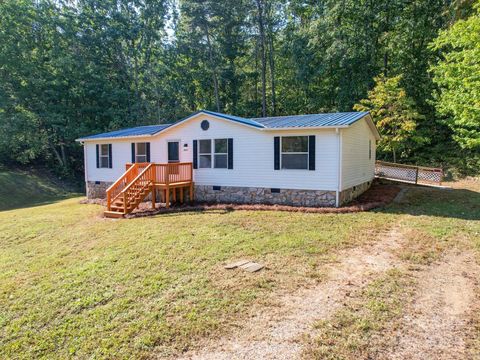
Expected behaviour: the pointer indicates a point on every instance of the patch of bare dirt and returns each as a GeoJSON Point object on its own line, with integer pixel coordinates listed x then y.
{"type": "Point", "coordinates": [276, 332]}
{"type": "Point", "coordinates": [437, 327]}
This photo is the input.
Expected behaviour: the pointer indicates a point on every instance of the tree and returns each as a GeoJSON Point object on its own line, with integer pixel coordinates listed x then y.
{"type": "Point", "coordinates": [457, 75]}
{"type": "Point", "coordinates": [395, 116]}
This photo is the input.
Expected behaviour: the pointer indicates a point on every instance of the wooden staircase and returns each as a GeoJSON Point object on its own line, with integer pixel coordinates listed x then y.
{"type": "Point", "coordinates": [142, 179]}
{"type": "Point", "coordinates": [129, 191]}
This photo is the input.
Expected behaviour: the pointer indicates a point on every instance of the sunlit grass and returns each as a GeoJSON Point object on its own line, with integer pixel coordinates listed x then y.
{"type": "Point", "coordinates": [73, 284]}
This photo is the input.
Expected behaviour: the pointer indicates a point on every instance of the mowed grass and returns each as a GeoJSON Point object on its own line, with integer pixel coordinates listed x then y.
{"type": "Point", "coordinates": [432, 222]}
{"type": "Point", "coordinates": [21, 189]}
{"type": "Point", "coordinates": [73, 284]}
{"type": "Point", "coordinates": [76, 285]}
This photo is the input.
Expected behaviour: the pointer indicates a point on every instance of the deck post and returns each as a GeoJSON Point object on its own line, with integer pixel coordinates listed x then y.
{"type": "Point", "coordinates": [109, 201]}
{"type": "Point", "coordinates": [154, 196]}
{"type": "Point", "coordinates": [191, 192]}
{"type": "Point", "coordinates": [167, 197]}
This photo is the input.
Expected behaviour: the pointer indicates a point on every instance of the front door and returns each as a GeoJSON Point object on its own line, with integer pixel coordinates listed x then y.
{"type": "Point", "coordinates": [173, 152]}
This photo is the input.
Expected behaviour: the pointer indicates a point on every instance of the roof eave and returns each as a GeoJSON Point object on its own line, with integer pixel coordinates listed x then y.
{"type": "Point", "coordinates": [117, 137]}
{"type": "Point", "coordinates": [373, 127]}
{"type": "Point", "coordinates": [305, 127]}
{"type": "Point", "coordinates": [206, 112]}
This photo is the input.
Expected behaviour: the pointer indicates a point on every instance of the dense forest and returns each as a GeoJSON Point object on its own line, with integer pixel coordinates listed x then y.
{"type": "Point", "coordinates": [72, 68]}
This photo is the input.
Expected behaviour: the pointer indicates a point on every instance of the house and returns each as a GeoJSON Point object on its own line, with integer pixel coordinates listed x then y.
{"type": "Point", "coordinates": [304, 160]}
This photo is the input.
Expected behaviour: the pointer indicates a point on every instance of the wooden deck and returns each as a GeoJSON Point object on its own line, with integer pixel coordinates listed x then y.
{"type": "Point", "coordinates": [173, 182]}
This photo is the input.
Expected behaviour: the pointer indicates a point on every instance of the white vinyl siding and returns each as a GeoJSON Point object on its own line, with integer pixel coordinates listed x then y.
{"type": "Point", "coordinates": [253, 155]}
{"type": "Point", "coordinates": [358, 153]}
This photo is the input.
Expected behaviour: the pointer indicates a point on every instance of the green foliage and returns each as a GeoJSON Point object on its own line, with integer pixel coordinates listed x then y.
{"type": "Point", "coordinates": [69, 69]}
{"type": "Point", "coordinates": [457, 75]}
{"type": "Point", "coordinates": [395, 115]}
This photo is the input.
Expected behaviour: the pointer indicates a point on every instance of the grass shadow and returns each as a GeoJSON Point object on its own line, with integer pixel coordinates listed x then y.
{"type": "Point", "coordinates": [22, 189]}
{"type": "Point", "coordinates": [448, 203]}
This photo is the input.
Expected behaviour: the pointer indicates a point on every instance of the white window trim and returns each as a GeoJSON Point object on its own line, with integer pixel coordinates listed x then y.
{"type": "Point", "coordinates": [201, 153]}
{"type": "Point", "coordinates": [100, 156]}
{"type": "Point", "coordinates": [137, 154]}
{"type": "Point", "coordinates": [294, 153]}
{"type": "Point", "coordinates": [215, 153]}
{"type": "Point", "coordinates": [212, 153]}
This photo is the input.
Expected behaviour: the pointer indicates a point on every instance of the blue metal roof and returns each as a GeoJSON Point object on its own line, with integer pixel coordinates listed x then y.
{"type": "Point", "coordinates": [275, 122]}
{"type": "Point", "coordinates": [136, 131]}
{"type": "Point", "coordinates": [312, 120]}
{"type": "Point", "coordinates": [239, 119]}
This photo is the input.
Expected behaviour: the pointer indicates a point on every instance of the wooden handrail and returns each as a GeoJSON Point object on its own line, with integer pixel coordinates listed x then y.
{"type": "Point", "coordinates": [112, 187]}
{"type": "Point", "coordinates": [141, 178]}
{"type": "Point", "coordinates": [121, 177]}
{"type": "Point", "coordinates": [137, 178]}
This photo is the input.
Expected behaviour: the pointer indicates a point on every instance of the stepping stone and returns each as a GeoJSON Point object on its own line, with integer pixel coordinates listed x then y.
{"type": "Point", "coordinates": [252, 267]}
{"type": "Point", "coordinates": [237, 264]}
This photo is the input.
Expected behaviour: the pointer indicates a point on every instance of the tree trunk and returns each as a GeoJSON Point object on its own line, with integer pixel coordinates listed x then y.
{"type": "Point", "coordinates": [213, 67]}
{"type": "Point", "coordinates": [64, 155]}
{"type": "Point", "coordinates": [57, 155]}
{"type": "Point", "coordinates": [272, 74]}
{"type": "Point", "coordinates": [262, 53]}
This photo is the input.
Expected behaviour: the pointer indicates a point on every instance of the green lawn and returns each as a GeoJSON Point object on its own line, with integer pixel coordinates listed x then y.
{"type": "Point", "coordinates": [21, 189]}
{"type": "Point", "coordinates": [73, 284]}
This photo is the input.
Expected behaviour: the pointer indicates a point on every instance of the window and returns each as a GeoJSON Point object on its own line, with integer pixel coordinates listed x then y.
{"type": "Point", "coordinates": [141, 152]}
{"type": "Point", "coordinates": [369, 149]}
{"type": "Point", "coordinates": [205, 154]}
{"type": "Point", "coordinates": [294, 152]}
{"type": "Point", "coordinates": [104, 156]}
{"type": "Point", "coordinates": [221, 154]}
{"type": "Point", "coordinates": [213, 153]}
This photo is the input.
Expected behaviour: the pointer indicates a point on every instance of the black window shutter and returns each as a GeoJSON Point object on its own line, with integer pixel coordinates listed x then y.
{"type": "Point", "coordinates": [195, 154]}
{"type": "Point", "coordinates": [148, 151]}
{"type": "Point", "coordinates": [276, 155]}
{"type": "Point", "coordinates": [230, 153]}
{"type": "Point", "coordinates": [311, 152]}
{"type": "Point", "coordinates": [133, 153]}
{"type": "Point", "coordinates": [110, 156]}
{"type": "Point", "coordinates": [98, 155]}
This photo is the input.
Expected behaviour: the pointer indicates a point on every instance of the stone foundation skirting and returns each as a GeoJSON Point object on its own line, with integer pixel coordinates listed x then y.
{"type": "Point", "coordinates": [97, 189]}
{"type": "Point", "coordinates": [255, 195]}
{"type": "Point", "coordinates": [352, 193]}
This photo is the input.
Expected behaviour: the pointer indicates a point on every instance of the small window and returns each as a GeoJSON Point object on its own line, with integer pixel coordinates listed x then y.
{"type": "Point", "coordinates": [221, 154]}
{"type": "Point", "coordinates": [205, 154]}
{"type": "Point", "coordinates": [173, 152]}
{"type": "Point", "coordinates": [104, 156]}
{"type": "Point", "coordinates": [369, 149]}
{"type": "Point", "coordinates": [141, 152]}
{"type": "Point", "coordinates": [294, 152]}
